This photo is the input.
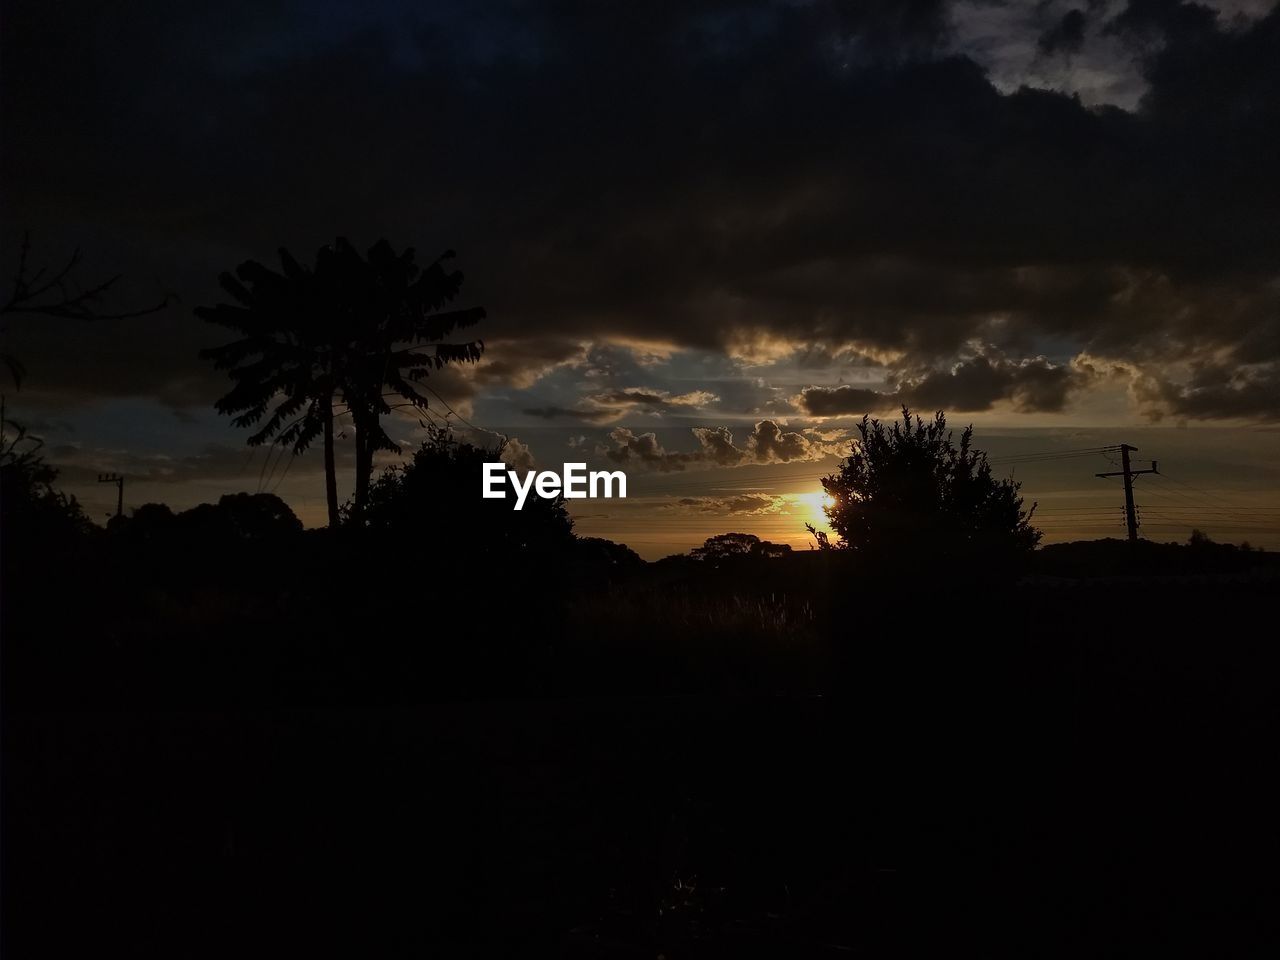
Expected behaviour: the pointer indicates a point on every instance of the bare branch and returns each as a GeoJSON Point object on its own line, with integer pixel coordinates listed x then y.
{"type": "Point", "coordinates": [56, 296]}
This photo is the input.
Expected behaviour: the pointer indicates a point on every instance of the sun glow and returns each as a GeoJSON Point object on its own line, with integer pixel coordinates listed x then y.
{"type": "Point", "coordinates": [811, 507]}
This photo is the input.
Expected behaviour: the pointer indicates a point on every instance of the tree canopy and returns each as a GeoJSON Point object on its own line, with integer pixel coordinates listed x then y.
{"type": "Point", "coordinates": [352, 331]}
{"type": "Point", "coordinates": [32, 511]}
{"type": "Point", "coordinates": [731, 546]}
{"type": "Point", "coordinates": [235, 517]}
{"type": "Point", "coordinates": [433, 502]}
{"type": "Point", "coordinates": [909, 493]}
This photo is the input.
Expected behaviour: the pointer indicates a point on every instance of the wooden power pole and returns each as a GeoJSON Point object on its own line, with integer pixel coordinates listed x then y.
{"type": "Point", "coordinates": [1126, 471]}
{"type": "Point", "coordinates": [118, 480]}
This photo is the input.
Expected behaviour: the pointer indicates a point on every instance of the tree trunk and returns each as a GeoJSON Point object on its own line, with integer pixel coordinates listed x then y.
{"type": "Point", "coordinates": [330, 470]}
{"type": "Point", "coordinates": [364, 467]}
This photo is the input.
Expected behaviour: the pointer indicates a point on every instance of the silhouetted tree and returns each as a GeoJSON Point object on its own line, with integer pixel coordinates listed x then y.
{"type": "Point", "coordinates": [725, 545]}
{"type": "Point", "coordinates": [770, 551]}
{"type": "Point", "coordinates": [241, 516]}
{"type": "Point", "coordinates": [236, 516]}
{"type": "Point", "coordinates": [150, 521]}
{"type": "Point", "coordinates": [730, 546]}
{"type": "Point", "coordinates": [599, 552]}
{"type": "Point", "coordinates": [433, 503]}
{"type": "Point", "coordinates": [1199, 539]}
{"type": "Point", "coordinates": [398, 326]}
{"type": "Point", "coordinates": [288, 360]}
{"type": "Point", "coordinates": [340, 332]}
{"type": "Point", "coordinates": [908, 492]}
{"type": "Point", "coordinates": [32, 511]}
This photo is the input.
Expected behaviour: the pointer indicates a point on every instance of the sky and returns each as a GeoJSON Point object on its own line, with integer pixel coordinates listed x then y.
{"type": "Point", "coordinates": [709, 237]}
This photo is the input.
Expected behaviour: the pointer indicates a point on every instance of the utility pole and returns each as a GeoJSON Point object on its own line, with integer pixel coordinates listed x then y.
{"type": "Point", "coordinates": [118, 480]}
{"type": "Point", "coordinates": [1130, 514]}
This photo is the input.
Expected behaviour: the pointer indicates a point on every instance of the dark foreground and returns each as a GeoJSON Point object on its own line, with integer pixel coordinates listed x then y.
{"type": "Point", "coordinates": [760, 828]}
{"type": "Point", "coordinates": [1036, 771]}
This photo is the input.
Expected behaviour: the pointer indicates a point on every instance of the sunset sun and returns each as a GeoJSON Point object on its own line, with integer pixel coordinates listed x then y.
{"type": "Point", "coordinates": [812, 507]}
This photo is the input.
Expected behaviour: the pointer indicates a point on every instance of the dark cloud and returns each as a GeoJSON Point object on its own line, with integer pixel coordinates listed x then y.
{"type": "Point", "coordinates": [40, 428]}
{"type": "Point", "coordinates": [645, 452]}
{"type": "Point", "coordinates": [612, 405]}
{"type": "Point", "coordinates": [567, 413]}
{"type": "Point", "coordinates": [1149, 22]}
{"type": "Point", "coordinates": [1031, 385]}
{"type": "Point", "coordinates": [1066, 36]}
{"type": "Point", "coordinates": [1214, 392]}
{"type": "Point", "coordinates": [843, 400]}
{"type": "Point", "coordinates": [746, 504]}
{"type": "Point", "coordinates": [650, 398]}
{"type": "Point", "coordinates": [78, 464]}
{"type": "Point", "coordinates": [521, 363]}
{"type": "Point", "coordinates": [630, 398]}
{"type": "Point", "coordinates": [691, 175]}
{"type": "Point", "coordinates": [977, 383]}
{"type": "Point", "coordinates": [718, 448]}
{"type": "Point", "coordinates": [768, 442]}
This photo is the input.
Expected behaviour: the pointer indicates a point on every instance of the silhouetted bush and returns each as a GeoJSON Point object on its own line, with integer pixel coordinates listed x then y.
{"type": "Point", "coordinates": [433, 503]}
{"type": "Point", "coordinates": [908, 496]}
{"type": "Point", "coordinates": [242, 516]}
{"type": "Point", "coordinates": [235, 517]}
{"type": "Point", "coordinates": [601, 552]}
{"type": "Point", "coordinates": [33, 513]}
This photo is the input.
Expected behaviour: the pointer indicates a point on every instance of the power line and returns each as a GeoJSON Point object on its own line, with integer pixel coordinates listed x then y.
{"type": "Point", "coordinates": [1167, 499]}
{"type": "Point", "coordinates": [1175, 492]}
{"type": "Point", "coordinates": [1203, 493]}
{"type": "Point", "coordinates": [1047, 457]}
{"type": "Point", "coordinates": [453, 411]}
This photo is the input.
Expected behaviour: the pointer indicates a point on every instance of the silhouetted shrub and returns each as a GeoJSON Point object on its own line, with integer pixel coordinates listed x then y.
{"type": "Point", "coordinates": [433, 503]}
{"type": "Point", "coordinates": [909, 496]}
{"type": "Point", "coordinates": [32, 511]}
{"type": "Point", "coordinates": [241, 516]}
{"type": "Point", "coordinates": [235, 517]}
{"type": "Point", "coordinates": [600, 552]}
{"type": "Point", "coordinates": [151, 521]}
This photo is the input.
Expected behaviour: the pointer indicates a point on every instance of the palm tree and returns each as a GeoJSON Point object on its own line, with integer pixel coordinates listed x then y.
{"type": "Point", "coordinates": [394, 331]}
{"type": "Point", "coordinates": [347, 330]}
{"type": "Point", "coordinates": [285, 360]}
